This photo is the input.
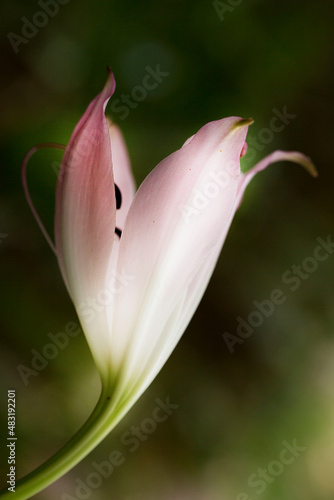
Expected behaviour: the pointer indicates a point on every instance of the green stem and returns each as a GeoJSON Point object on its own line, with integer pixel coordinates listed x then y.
{"type": "Point", "coordinates": [103, 418]}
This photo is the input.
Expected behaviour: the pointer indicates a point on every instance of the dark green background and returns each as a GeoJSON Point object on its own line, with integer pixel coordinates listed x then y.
{"type": "Point", "coordinates": [235, 409]}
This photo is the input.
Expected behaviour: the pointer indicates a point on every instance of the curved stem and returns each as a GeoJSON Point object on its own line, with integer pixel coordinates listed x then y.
{"type": "Point", "coordinates": [104, 417]}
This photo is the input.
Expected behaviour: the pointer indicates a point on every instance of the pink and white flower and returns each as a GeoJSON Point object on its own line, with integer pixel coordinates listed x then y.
{"type": "Point", "coordinates": [164, 239]}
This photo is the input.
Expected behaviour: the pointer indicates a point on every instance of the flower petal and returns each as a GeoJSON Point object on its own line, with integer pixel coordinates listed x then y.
{"type": "Point", "coordinates": [293, 156]}
{"type": "Point", "coordinates": [125, 187]}
{"type": "Point", "coordinates": [123, 176]}
{"type": "Point", "coordinates": [85, 217]}
{"type": "Point", "coordinates": [125, 190]}
{"type": "Point", "coordinates": [175, 228]}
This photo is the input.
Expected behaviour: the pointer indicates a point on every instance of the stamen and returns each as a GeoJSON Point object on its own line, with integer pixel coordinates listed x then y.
{"type": "Point", "coordinates": [118, 196]}
{"type": "Point", "coordinates": [26, 190]}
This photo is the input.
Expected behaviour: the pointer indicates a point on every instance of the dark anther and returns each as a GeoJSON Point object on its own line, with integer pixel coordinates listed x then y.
{"type": "Point", "coordinates": [118, 232]}
{"type": "Point", "coordinates": [118, 197]}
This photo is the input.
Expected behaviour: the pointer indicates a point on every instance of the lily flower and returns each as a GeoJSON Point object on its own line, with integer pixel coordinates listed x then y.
{"type": "Point", "coordinates": [136, 263]}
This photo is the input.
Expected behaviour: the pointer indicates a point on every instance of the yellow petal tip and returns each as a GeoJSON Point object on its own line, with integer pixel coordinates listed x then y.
{"type": "Point", "coordinates": [305, 162]}
{"type": "Point", "coordinates": [243, 122]}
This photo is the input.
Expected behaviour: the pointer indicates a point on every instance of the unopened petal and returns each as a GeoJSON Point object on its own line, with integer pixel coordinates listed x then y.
{"type": "Point", "coordinates": [85, 218]}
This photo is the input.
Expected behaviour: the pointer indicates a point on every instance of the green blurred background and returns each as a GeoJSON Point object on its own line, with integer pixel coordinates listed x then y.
{"type": "Point", "coordinates": [243, 58]}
